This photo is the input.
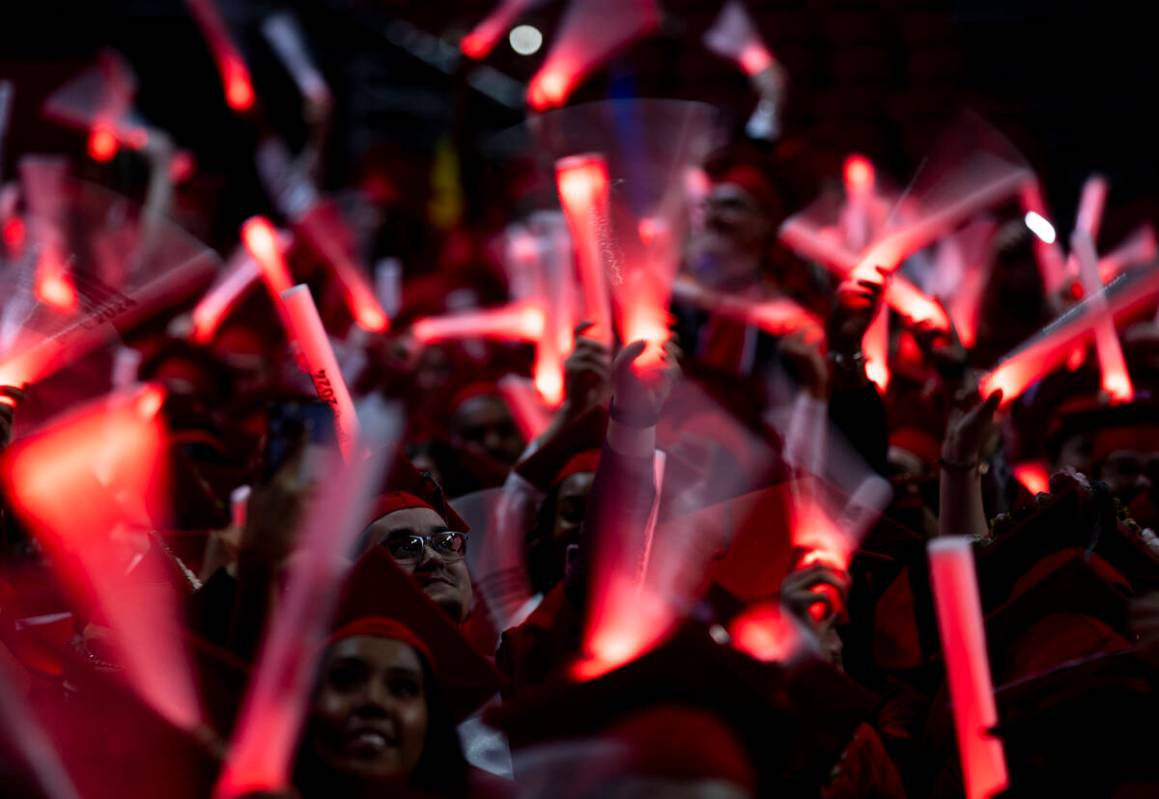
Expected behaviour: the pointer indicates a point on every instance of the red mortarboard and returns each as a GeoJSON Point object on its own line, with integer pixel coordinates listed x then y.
{"type": "Point", "coordinates": [407, 487]}
{"type": "Point", "coordinates": [380, 596]}
{"type": "Point", "coordinates": [756, 530]}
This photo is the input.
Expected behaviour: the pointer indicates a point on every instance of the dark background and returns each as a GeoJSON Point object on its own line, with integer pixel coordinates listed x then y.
{"type": "Point", "coordinates": [1071, 83]}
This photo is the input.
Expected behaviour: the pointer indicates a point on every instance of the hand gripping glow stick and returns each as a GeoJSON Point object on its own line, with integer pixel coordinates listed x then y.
{"type": "Point", "coordinates": [1116, 380]}
{"type": "Point", "coordinates": [306, 328]}
{"type": "Point", "coordinates": [235, 75]}
{"type": "Point", "coordinates": [275, 706]}
{"type": "Point", "coordinates": [967, 668]}
{"type": "Point", "coordinates": [583, 184]}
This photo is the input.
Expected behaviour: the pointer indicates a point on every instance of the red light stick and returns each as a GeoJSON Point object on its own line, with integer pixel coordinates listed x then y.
{"type": "Point", "coordinates": [582, 181]}
{"type": "Point", "coordinates": [482, 39]}
{"type": "Point", "coordinates": [967, 668]}
{"type": "Point", "coordinates": [242, 272]}
{"type": "Point", "coordinates": [43, 181]}
{"type": "Point", "coordinates": [516, 322]}
{"type": "Point", "coordinates": [84, 536]}
{"type": "Point", "coordinates": [1051, 262]}
{"type": "Point", "coordinates": [875, 347]}
{"type": "Point", "coordinates": [1116, 380]}
{"type": "Point", "coordinates": [1091, 204]}
{"type": "Point", "coordinates": [285, 36]}
{"type": "Point", "coordinates": [889, 251]}
{"type": "Point", "coordinates": [261, 240]}
{"type": "Point", "coordinates": [114, 104]}
{"type": "Point", "coordinates": [553, 250]}
{"type": "Point", "coordinates": [1138, 248]}
{"type": "Point", "coordinates": [584, 41]}
{"type": "Point", "coordinates": [530, 415]}
{"type": "Point", "coordinates": [235, 76]}
{"type": "Point", "coordinates": [238, 504]}
{"type": "Point", "coordinates": [305, 325]}
{"type": "Point", "coordinates": [1034, 476]}
{"type": "Point", "coordinates": [778, 317]}
{"type": "Point", "coordinates": [860, 179]}
{"type": "Point", "coordinates": [359, 295]}
{"type": "Point", "coordinates": [1050, 347]}
{"type": "Point", "coordinates": [274, 709]}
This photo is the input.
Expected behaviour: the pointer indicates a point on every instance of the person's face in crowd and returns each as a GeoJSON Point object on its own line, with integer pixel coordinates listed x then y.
{"type": "Point", "coordinates": [735, 234]}
{"type": "Point", "coordinates": [484, 423]}
{"type": "Point", "coordinates": [369, 718]}
{"type": "Point", "coordinates": [570, 506]}
{"type": "Point", "coordinates": [440, 572]}
{"type": "Point", "coordinates": [1133, 477]}
{"type": "Point", "coordinates": [433, 371]}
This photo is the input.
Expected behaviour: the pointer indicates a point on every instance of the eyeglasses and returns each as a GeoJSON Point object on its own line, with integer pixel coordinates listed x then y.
{"type": "Point", "coordinates": [409, 548]}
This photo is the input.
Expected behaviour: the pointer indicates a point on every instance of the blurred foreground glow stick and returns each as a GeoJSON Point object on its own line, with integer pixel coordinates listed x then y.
{"type": "Point", "coordinates": [360, 298]}
{"type": "Point", "coordinates": [1034, 476]}
{"type": "Point", "coordinates": [889, 251]}
{"type": "Point", "coordinates": [242, 272]}
{"type": "Point", "coordinates": [481, 40]}
{"type": "Point", "coordinates": [875, 346]}
{"type": "Point", "coordinates": [530, 416]}
{"type": "Point", "coordinates": [1116, 380]}
{"type": "Point", "coordinates": [584, 40]}
{"type": "Point", "coordinates": [1049, 348]}
{"type": "Point", "coordinates": [235, 75]}
{"type": "Point", "coordinates": [582, 181]}
{"type": "Point", "coordinates": [734, 36]}
{"type": "Point", "coordinates": [963, 638]}
{"type": "Point", "coordinates": [43, 181]}
{"type": "Point", "coordinates": [275, 706]}
{"type": "Point", "coordinates": [516, 322]}
{"type": "Point", "coordinates": [779, 316]}
{"type": "Point", "coordinates": [81, 535]}
{"type": "Point", "coordinates": [261, 240]}
{"type": "Point", "coordinates": [557, 286]}
{"type": "Point", "coordinates": [317, 354]}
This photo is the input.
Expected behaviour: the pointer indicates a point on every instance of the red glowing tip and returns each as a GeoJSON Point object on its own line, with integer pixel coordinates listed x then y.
{"type": "Point", "coordinates": [1034, 477]}
{"type": "Point", "coordinates": [859, 173]}
{"type": "Point", "coordinates": [13, 232]}
{"type": "Point", "coordinates": [7, 400]}
{"type": "Point", "coordinates": [755, 58]}
{"type": "Point", "coordinates": [373, 319]}
{"type": "Point", "coordinates": [102, 143]}
{"type": "Point", "coordinates": [56, 290]}
{"type": "Point", "coordinates": [549, 384]}
{"type": "Point", "coordinates": [547, 90]}
{"type": "Point", "coordinates": [239, 92]}
{"type": "Point", "coordinates": [764, 632]}
{"type": "Point", "coordinates": [475, 45]}
{"type": "Point", "coordinates": [150, 401]}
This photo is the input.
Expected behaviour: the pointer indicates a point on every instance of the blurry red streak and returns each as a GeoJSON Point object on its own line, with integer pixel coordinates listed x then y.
{"type": "Point", "coordinates": [1051, 262]}
{"type": "Point", "coordinates": [261, 240]}
{"type": "Point", "coordinates": [1034, 476]}
{"type": "Point", "coordinates": [483, 37]}
{"type": "Point", "coordinates": [14, 233]}
{"type": "Point", "coordinates": [360, 298]}
{"type": "Point", "coordinates": [889, 252]}
{"type": "Point", "coordinates": [1116, 380]}
{"type": "Point", "coordinates": [102, 145]}
{"type": "Point", "coordinates": [755, 58]}
{"type": "Point", "coordinates": [1091, 203]}
{"type": "Point", "coordinates": [583, 185]}
{"type": "Point", "coordinates": [765, 632]}
{"type": "Point", "coordinates": [549, 88]}
{"type": "Point", "coordinates": [235, 76]}
{"type": "Point", "coordinates": [859, 173]}
{"type": "Point", "coordinates": [53, 285]}
{"type": "Point", "coordinates": [530, 416]}
{"type": "Point", "coordinates": [517, 322]}
{"type": "Point", "coordinates": [1139, 248]}
{"type": "Point", "coordinates": [215, 306]}
{"type": "Point", "coordinates": [963, 639]}
{"type": "Point", "coordinates": [548, 372]}
{"type": "Point", "coordinates": [875, 346]}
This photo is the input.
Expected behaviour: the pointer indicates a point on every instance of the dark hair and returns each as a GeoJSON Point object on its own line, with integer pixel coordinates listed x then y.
{"type": "Point", "coordinates": [441, 771]}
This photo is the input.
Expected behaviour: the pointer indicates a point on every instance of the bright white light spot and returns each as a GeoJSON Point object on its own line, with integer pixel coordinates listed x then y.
{"type": "Point", "coordinates": [1040, 227]}
{"type": "Point", "coordinates": [525, 39]}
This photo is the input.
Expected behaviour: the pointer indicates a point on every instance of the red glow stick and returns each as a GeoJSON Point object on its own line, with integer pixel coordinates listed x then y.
{"type": "Point", "coordinates": [967, 668]}
{"type": "Point", "coordinates": [360, 298]}
{"type": "Point", "coordinates": [305, 325]}
{"type": "Point", "coordinates": [261, 240]}
{"type": "Point", "coordinates": [1138, 248]}
{"type": "Point", "coordinates": [778, 317]}
{"type": "Point", "coordinates": [275, 706]}
{"type": "Point", "coordinates": [43, 181]}
{"type": "Point", "coordinates": [1049, 348]}
{"type": "Point", "coordinates": [582, 181]}
{"type": "Point", "coordinates": [235, 76]}
{"type": "Point", "coordinates": [82, 538]}
{"type": "Point", "coordinates": [1051, 262]}
{"type": "Point", "coordinates": [860, 179]}
{"type": "Point", "coordinates": [734, 36]}
{"type": "Point", "coordinates": [1116, 380]}
{"type": "Point", "coordinates": [530, 416]}
{"type": "Point", "coordinates": [889, 251]}
{"type": "Point", "coordinates": [242, 272]}
{"type": "Point", "coordinates": [557, 286]}
{"type": "Point", "coordinates": [875, 347]}
{"type": "Point", "coordinates": [482, 38]}
{"type": "Point", "coordinates": [116, 98]}
{"type": "Point", "coordinates": [1034, 476]}
{"type": "Point", "coordinates": [238, 504]}
{"type": "Point", "coordinates": [516, 322]}
{"type": "Point", "coordinates": [768, 633]}
{"type": "Point", "coordinates": [1091, 205]}
{"type": "Point", "coordinates": [585, 40]}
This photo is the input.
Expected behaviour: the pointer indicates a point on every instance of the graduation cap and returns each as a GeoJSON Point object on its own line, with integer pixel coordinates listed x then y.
{"type": "Point", "coordinates": [407, 487]}
{"type": "Point", "coordinates": [792, 723]}
{"type": "Point", "coordinates": [377, 589]}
